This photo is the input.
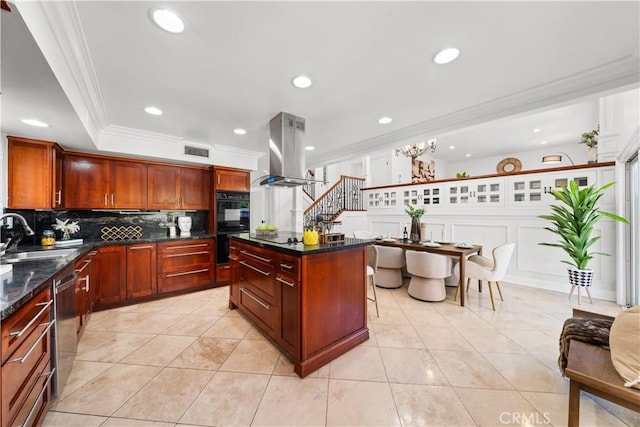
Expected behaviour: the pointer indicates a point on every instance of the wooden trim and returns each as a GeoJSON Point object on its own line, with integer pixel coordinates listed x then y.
{"type": "Point", "coordinates": [496, 175]}
{"type": "Point", "coordinates": [134, 160]}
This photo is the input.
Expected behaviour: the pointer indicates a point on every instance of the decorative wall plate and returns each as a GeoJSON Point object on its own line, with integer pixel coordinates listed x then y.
{"type": "Point", "coordinates": [509, 165]}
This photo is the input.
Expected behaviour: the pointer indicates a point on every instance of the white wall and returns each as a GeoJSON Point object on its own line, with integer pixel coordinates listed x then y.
{"type": "Point", "coordinates": [3, 172]}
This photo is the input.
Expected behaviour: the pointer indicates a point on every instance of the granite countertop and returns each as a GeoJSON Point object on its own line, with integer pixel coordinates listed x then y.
{"type": "Point", "coordinates": [27, 278]}
{"type": "Point", "coordinates": [302, 249]}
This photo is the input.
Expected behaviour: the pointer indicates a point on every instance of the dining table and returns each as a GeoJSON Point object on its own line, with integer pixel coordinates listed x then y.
{"type": "Point", "coordinates": [452, 249]}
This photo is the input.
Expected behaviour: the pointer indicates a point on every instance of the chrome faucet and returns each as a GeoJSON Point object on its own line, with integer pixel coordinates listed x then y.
{"type": "Point", "coordinates": [27, 230]}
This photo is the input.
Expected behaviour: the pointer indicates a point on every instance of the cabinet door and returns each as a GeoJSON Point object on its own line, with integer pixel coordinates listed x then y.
{"type": "Point", "coordinates": [231, 179]}
{"type": "Point", "coordinates": [83, 270]}
{"type": "Point", "coordinates": [111, 275]}
{"type": "Point", "coordinates": [86, 182]}
{"type": "Point", "coordinates": [29, 174]}
{"type": "Point", "coordinates": [128, 184]}
{"type": "Point", "coordinates": [163, 183]}
{"type": "Point", "coordinates": [142, 277]}
{"type": "Point", "coordinates": [288, 278]}
{"type": "Point", "coordinates": [58, 200]}
{"type": "Point", "coordinates": [194, 189]}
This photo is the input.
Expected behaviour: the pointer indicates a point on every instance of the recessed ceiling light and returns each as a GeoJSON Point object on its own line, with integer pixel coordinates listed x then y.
{"type": "Point", "coordinates": [536, 130]}
{"type": "Point", "coordinates": [543, 142]}
{"type": "Point", "coordinates": [301, 82]}
{"type": "Point", "coordinates": [155, 111]}
{"type": "Point", "coordinates": [309, 147]}
{"type": "Point", "coordinates": [385, 120]}
{"type": "Point", "coordinates": [467, 155]}
{"type": "Point", "coordinates": [451, 147]}
{"type": "Point", "coordinates": [36, 123]}
{"type": "Point", "coordinates": [239, 131]}
{"type": "Point", "coordinates": [167, 20]}
{"type": "Point", "coordinates": [446, 55]}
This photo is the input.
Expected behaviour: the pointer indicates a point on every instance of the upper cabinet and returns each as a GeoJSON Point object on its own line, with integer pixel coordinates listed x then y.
{"type": "Point", "coordinates": [176, 187]}
{"type": "Point", "coordinates": [230, 179]}
{"type": "Point", "coordinates": [96, 182]}
{"type": "Point", "coordinates": [34, 174]}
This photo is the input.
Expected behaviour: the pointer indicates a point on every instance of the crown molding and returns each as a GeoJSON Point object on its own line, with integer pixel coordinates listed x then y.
{"type": "Point", "coordinates": [56, 28]}
{"type": "Point", "coordinates": [616, 74]}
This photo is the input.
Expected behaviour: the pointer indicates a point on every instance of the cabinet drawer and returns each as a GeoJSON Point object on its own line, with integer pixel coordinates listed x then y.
{"type": "Point", "coordinates": [259, 310]}
{"type": "Point", "coordinates": [263, 256]}
{"type": "Point", "coordinates": [17, 327]}
{"type": "Point", "coordinates": [23, 372]}
{"type": "Point", "coordinates": [178, 257]}
{"type": "Point", "coordinates": [289, 266]}
{"type": "Point", "coordinates": [260, 276]}
{"type": "Point", "coordinates": [169, 282]}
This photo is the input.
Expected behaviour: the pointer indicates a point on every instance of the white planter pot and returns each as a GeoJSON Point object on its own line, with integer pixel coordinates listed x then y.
{"type": "Point", "coordinates": [581, 278]}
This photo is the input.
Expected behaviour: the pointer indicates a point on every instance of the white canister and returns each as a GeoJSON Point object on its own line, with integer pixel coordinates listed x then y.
{"type": "Point", "coordinates": [172, 231]}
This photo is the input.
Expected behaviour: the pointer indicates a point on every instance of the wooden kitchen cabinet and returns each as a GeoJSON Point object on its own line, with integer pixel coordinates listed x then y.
{"type": "Point", "coordinates": [313, 305]}
{"type": "Point", "coordinates": [176, 187]}
{"type": "Point", "coordinates": [110, 271]}
{"type": "Point", "coordinates": [185, 265]}
{"type": "Point", "coordinates": [231, 179]}
{"type": "Point", "coordinates": [85, 290]}
{"type": "Point", "coordinates": [26, 362]}
{"type": "Point", "coordinates": [34, 174]}
{"type": "Point", "coordinates": [97, 182]}
{"type": "Point", "coordinates": [142, 280]}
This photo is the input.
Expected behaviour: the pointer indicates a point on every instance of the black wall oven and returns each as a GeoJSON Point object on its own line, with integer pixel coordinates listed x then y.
{"type": "Point", "coordinates": [232, 217]}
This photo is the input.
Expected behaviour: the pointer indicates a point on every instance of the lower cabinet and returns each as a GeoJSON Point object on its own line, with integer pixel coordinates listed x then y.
{"type": "Point", "coordinates": [110, 270]}
{"type": "Point", "coordinates": [142, 261]}
{"type": "Point", "coordinates": [26, 362]}
{"type": "Point", "coordinates": [85, 290]}
{"type": "Point", "coordinates": [185, 264]}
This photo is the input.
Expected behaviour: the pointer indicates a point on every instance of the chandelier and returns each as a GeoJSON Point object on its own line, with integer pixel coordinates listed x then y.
{"type": "Point", "coordinates": [417, 149]}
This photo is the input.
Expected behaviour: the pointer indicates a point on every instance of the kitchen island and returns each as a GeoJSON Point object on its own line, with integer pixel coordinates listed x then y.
{"type": "Point", "coordinates": [311, 301]}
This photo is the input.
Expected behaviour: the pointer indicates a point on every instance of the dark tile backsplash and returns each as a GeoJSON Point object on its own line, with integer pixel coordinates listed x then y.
{"type": "Point", "coordinates": [91, 222]}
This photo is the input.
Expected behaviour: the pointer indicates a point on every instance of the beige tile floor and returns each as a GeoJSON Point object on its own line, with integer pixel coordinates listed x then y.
{"type": "Point", "coordinates": [189, 360]}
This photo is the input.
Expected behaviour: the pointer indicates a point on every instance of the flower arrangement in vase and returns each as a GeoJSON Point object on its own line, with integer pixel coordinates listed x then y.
{"type": "Point", "coordinates": [590, 139]}
{"type": "Point", "coordinates": [415, 214]}
{"type": "Point", "coordinates": [66, 228]}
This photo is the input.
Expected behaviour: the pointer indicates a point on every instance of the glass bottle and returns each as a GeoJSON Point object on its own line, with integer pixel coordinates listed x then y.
{"type": "Point", "coordinates": [48, 238]}
{"type": "Point", "coordinates": [405, 234]}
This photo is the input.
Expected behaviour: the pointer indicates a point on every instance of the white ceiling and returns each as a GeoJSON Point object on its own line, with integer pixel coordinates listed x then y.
{"type": "Point", "coordinates": [233, 65]}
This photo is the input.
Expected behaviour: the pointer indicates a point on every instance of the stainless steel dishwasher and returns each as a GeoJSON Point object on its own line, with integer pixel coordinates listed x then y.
{"type": "Point", "coordinates": [65, 338]}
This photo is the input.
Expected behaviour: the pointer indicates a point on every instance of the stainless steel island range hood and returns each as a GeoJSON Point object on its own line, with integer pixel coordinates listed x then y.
{"type": "Point", "coordinates": [286, 152]}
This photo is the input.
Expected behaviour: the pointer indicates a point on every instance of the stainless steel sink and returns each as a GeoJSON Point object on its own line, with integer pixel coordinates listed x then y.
{"type": "Point", "coordinates": [38, 255]}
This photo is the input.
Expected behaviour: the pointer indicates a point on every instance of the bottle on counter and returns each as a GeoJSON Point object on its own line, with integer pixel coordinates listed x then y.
{"type": "Point", "coordinates": [48, 238]}
{"type": "Point", "coordinates": [405, 234]}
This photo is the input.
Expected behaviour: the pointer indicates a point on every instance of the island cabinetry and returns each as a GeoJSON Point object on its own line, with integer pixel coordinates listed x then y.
{"type": "Point", "coordinates": [142, 274]}
{"type": "Point", "coordinates": [34, 174]}
{"type": "Point", "coordinates": [288, 277]}
{"type": "Point", "coordinates": [174, 187]}
{"type": "Point", "coordinates": [85, 291]}
{"type": "Point", "coordinates": [110, 270]}
{"type": "Point", "coordinates": [232, 277]}
{"type": "Point", "coordinates": [230, 179]}
{"type": "Point", "coordinates": [101, 183]}
{"type": "Point", "coordinates": [258, 289]}
{"type": "Point", "coordinates": [26, 366]}
{"type": "Point", "coordinates": [185, 264]}
{"type": "Point", "coordinates": [312, 304]}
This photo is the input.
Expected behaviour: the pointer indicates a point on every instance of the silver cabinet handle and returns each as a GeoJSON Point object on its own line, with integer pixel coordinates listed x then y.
{"type": "Point", "coordinates": [105, 199]}
{"type": "Point", "coordinates": [86, 263]}
{"type": "Point", "coordinates": [187, 273]}
{"type": "Point", "coordinates": [187, 254]}
{"type": "Point", "coordinates": [112, 199]}
{"type": "Point", "coordinates": [233, 258]}
{"type": "Point", "coordinates": [256, 256]}
{"type": "Point", "coordinates": [34, 345]}
{"type": "Point", "coordinates": [232, 247]}
{"type": "Point", "coordinates": [27, 420]}
{"type": "Point", "coordinates": [199, 245]}
{"type": "Point", "coordinates": [59, 197]}
{"type": "Point", "coordinates": [86, 289]}
{"type": "Point", "coordinates": [265, 273]}
{"type": "Point", "coordinates": [287, 266]}
{"type": "Point", "coordinates": [28, 325]}
{"type": "Point", "coordinates": [135, 248]}
{"type": "Point", "coordinates": [285, 282]}
{"type": "Point", "coordinates": [244, 291]}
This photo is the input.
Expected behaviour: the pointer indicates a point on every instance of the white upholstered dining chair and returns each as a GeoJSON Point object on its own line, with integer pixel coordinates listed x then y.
{"type": "Point", "coordinates": [390, 263]}
{"type": "Point", "coordinates": [491, 270]}
{"type": "Point", "coordinates": [427, 275]}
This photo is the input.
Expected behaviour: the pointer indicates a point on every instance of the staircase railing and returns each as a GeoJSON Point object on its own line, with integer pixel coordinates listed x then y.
{"type": "Point", "coordinates": [344, 195]}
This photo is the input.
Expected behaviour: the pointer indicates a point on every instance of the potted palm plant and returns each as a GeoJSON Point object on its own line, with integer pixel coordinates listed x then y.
{"type": "Point", "coordinates": [573, 221]}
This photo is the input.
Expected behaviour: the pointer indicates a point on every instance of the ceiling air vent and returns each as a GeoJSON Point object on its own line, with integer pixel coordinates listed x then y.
{"type": "Point", "coordinates": [196, 151]}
